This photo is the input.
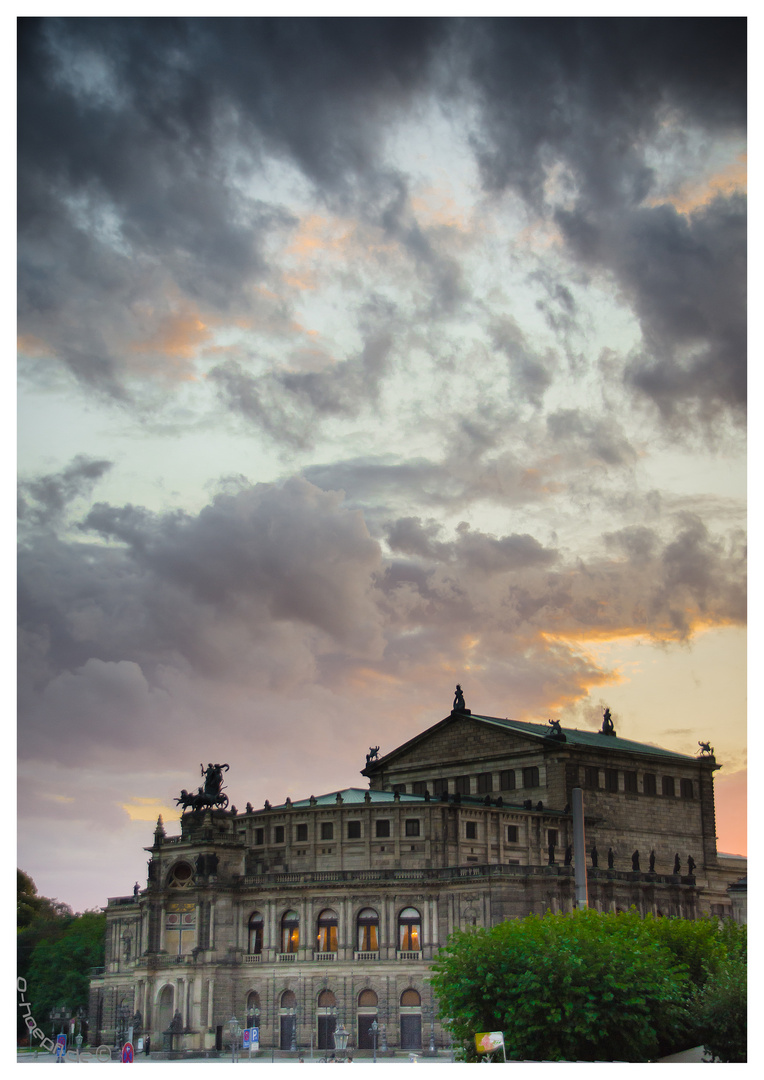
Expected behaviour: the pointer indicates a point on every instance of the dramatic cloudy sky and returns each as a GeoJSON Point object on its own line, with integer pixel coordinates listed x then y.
{"type": "Point", "coordinates": [359, 358]}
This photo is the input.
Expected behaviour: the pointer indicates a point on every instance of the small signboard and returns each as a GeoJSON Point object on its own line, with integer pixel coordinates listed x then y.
{"type": "Point", "coordinates": [61, 1046]}
{"type": "Point", "coordinates": [486, 1042]}
{"type": "Point", "coordinates": [246, 1037]}
{"type": "Point", "coordinates": [127, 1052]}
{"type": "Point", "coordinates": [254, 1035]}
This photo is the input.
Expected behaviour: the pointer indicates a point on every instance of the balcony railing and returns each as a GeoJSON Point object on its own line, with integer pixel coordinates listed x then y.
{"type": "Point", "coordinates": [253, 958]}
{"type": "Point", "coordinates": [408, 954]}
{"type": "Point", "coordinates": [366, 956]}
{"type": "Point", "coordinates": [286, 957]}
{"type": "Point", "coordinates": [330, 956]}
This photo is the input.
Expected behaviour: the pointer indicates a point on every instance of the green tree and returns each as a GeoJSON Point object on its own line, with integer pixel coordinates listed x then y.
{"type": "Point", "coordinates": [55, 951]}
{"type": "Point", "coordinates": [59, 972]}
{"type": "Point", "coordinates": [721, 1005]}
{"type": "Point", "coordinates": [581, 986]}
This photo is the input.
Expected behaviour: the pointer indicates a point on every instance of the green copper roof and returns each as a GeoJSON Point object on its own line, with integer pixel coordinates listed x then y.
{"type": "Point", "coordinates": [575, 737]}
{"type": "Point", "coordinates": [350, 796]}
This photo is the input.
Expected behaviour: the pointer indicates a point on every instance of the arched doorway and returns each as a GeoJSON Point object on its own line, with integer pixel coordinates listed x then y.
{"type": "Point", "coordinates": [165, 1007]}
{"type": "Point", "coordinates": [411, 1020]}
{"type": "Point", "coordinates": [253, 1009]}
{"type": "Point", "coordinates": [288, 1018]}
{"type": "Point", "coordinates": [327, 1019]}
{"type": "Point", "coordinates": [367, 1014]}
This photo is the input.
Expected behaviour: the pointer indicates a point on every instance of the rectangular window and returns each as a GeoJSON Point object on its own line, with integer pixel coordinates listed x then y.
{"type": "Point", "coordinates": [611, 779]}
{"type": "Point", "coordinates": [471, 830]}
{"type": "Point", "coordinates": [484, 783]}
{"type": "Point", "coordinates": [591, 776]}
{"type": "Point", "coordinates": [440, 786]}
{"type": "Point", "coordinates": [259, 837]}
{"type": "Point", "coordinates": [507, 780]}
{"type": "Point", "coordinates": [301, 832]}
{"type": "Point", "coordinates": [278, 834]}
{"type": "Point", "coordinates": [551, 837]}
{"type": "Point", "coordinates": [667, 786]}
{"type": "Point", "coordinates": [400, 788]}
{"type": "Point", "coordinates": [354, 830]}
{"type": "Point", "coordinates": [419, 787]}
{"type": "Point", "coordinates": [412, 827]}
{"type": "Point", "coordinates": [686, 789]}
{"type": "Point", "coordinates": [462, 785]}
{"type": "Point", "coordinates": [531, 776]}
{"type": "Point", "coordinates": [383, 827]}
{"type": "Point", "coordinates": [648, 784]}
{"type": "Point", "coordinates": [630, 782]}
{"type": "Point", "coordinates": [327, 830]}
{"type": "Point", "coordinates": [513, 834]}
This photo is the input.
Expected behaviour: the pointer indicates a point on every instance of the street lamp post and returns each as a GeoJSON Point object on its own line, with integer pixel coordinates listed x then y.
{"type": "Point", "coordinates": [374, 1030]}
{"type": "Point", "coordinates": [235, 1028]}
{"type": "Point", "coordinates": [341, 1036]}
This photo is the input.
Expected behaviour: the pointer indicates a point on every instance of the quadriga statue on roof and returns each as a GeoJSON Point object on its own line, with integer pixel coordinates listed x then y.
{"type": "Point", "coordinates": [211, 795]}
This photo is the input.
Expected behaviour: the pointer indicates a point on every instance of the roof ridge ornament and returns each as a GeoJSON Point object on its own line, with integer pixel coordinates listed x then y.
{"type": "Point", "coordinates": [556, 732]}
{"type": "Point", "coordinates": [459, 706]}
{"type": "Point", "coordinates": [607, 723]}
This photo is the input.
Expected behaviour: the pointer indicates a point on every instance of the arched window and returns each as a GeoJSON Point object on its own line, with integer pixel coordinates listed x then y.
{"type": "Point", "coordinates": [410, 998]}
{"type": "Point", "coordinates": [367, 925]}
{"type": "Point", "coordinates": [255, 933]}
{"type": "Point", "coordinates": [326, 939]}
{"type": "Point", "coordinates": [409, 930]}
{"type": "Point", "coordinates": [368, 999]}
{"type": "Point", "coordinates": [290, 932]}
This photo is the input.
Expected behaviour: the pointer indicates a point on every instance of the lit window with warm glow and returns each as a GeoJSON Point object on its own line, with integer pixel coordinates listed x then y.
{"type": "Point", "coordinates": [368, 930]}
{"type": "Point", "coordinates": [409, 933]}
{"type": "Point", "coordinates": [290, 932]}
{"type": "Point", "coordinates": [327, 931]}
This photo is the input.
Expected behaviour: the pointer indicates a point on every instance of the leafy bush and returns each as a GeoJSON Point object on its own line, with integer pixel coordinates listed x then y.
{"type": "Point", "coordinates": [721, 1007]}
{"type": "Point", "coordinates": [581, 986]}
{"type": "Point", "coordinates": [696, 943]}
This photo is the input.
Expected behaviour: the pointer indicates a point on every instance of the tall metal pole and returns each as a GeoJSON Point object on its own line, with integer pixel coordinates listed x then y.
{"type": "Point", "coordinates": [579, 849]}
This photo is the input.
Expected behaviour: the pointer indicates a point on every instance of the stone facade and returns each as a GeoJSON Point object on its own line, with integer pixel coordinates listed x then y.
{"type": "Point", "coordinates": [298, 916]}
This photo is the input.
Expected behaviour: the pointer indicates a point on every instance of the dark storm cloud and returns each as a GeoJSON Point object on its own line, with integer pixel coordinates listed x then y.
{"type": "Point", "coordinates": [474, 550]}
{"type": "Point", "coordinates": [44, 499]}
{"type": "Point", "coordinates": [591, 91]}
{"type": "Point", "coordinates": [137, 138]}
{"type": "Point", "coordinates": [274, 588]}
{"type": "Point", "coordinates": [591, 95]}
{"type": "Point", "coordinates": [284, 403]}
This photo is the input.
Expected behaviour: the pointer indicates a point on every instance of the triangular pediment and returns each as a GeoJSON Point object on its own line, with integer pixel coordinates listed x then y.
{"type": "Point", "coordinates": [459, 737]}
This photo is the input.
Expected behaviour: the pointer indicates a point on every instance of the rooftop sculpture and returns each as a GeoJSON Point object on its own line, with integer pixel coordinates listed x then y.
{"type": "Point", "coordinates": [211, 795]}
